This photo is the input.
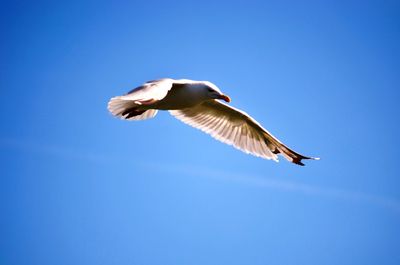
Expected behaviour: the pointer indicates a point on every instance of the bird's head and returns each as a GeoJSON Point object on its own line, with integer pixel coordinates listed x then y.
{"type": "Point", "coordinates": [213, 92]}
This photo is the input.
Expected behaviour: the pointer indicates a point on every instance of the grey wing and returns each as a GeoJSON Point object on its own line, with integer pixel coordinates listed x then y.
{"type": "Point", "coordinates": [237, 128]}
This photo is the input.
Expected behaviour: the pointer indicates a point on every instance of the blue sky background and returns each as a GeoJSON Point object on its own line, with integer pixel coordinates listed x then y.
{"type": "Point", "coordinates": [78, 186]}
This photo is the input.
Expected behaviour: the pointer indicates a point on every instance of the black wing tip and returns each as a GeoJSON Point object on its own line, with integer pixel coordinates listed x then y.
{"type": "Point", "coordinates": [132, 112]}
{"type": "Point", "coordinates": [297, 160]}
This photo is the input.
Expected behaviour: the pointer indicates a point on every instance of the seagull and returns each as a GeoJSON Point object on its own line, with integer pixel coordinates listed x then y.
{"type": "Point", "coordinates": [197, 104]}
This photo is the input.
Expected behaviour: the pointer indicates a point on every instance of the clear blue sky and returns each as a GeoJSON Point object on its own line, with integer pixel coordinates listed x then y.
{"type": "Point", "coordinates": [78, 186]}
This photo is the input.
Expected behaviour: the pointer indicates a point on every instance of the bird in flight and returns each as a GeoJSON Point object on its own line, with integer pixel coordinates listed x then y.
{"type": "Point", "coordinates": [197, 104]}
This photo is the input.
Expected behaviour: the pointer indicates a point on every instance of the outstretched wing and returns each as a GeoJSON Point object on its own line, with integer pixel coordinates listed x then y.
{"type": "Point", "coordinates": [126, 106]}
{"type": "Point", "coordinates": [235, 127]}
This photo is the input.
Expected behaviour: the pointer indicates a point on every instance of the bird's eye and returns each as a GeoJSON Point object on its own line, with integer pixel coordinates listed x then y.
{"type": "Point", "coordinates": [210, 90]}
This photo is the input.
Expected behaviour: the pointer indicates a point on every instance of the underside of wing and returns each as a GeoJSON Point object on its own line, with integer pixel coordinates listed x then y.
{"type": "Point", "coordinates": [227, 127]}
{"type": "Point", "coordinates": [235, 127]}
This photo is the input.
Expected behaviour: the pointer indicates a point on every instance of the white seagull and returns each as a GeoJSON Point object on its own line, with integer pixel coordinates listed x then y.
{"type": "Point", "coordinates": [196, 103]}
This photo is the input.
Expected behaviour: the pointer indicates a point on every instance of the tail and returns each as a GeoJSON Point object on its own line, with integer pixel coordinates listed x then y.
{"type": "Point", "coordinates": [129, 110]}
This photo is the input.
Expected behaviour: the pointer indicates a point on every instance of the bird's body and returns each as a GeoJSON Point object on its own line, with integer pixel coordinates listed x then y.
{"type": "Point", "coordinates": [181, 97]}
{"type": "Point", "coordinates": [196, 103]}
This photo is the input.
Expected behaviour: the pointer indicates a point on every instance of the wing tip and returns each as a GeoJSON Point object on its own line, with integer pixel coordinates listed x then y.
{"type": "Point", "coordinates": [297, 160]}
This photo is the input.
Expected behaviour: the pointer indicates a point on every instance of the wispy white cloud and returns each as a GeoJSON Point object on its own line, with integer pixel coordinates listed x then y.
{"type": "Point", "coordinates": [289, 186]}
{"type": "Point", "coordinates": [54, 150]}
{"type": "Point", "coordinates": [197, 171]}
